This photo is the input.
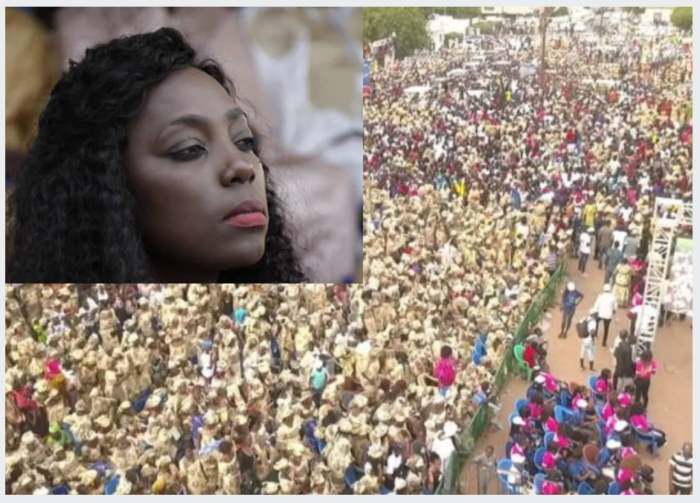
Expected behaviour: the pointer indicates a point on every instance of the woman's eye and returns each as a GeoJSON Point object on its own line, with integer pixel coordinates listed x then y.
{"type": "Point", "coordinates": [188, 153]}
{"type": "Point", "coordinates": [247, 144]}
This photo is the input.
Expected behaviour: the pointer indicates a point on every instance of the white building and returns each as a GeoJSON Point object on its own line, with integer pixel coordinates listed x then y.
{"type": "Point", "coordinates": [439, 26]}
{"type": "Point", "coordinates": [657, 15]}
{"type": "Point", "coordinates": [509, 11]}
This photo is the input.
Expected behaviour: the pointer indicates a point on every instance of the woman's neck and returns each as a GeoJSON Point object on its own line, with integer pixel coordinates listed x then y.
{"type": "Point", "coordinates": [175, 273]}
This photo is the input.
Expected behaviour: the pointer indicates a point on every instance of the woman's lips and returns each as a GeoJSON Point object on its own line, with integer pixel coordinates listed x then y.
{"type": "Point", "coordinates": [249, 213]}
{"type": "Point", "coordinates": [255, 219]}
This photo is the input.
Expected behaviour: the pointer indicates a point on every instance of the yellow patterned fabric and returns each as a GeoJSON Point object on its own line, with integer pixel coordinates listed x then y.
{"type": "Point", "coordinates": [30, 72]}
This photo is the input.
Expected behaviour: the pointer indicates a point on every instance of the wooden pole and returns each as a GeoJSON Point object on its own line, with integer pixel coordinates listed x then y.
{"type": "Point", "coordinates": [543, 55]}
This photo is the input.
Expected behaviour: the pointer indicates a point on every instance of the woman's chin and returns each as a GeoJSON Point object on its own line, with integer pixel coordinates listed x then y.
{"type": "Point", "coordinates": [247, 254]}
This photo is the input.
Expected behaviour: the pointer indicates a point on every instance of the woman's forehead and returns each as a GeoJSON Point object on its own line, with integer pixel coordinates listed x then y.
{"type": "Point", "coordinates": [184, 92]}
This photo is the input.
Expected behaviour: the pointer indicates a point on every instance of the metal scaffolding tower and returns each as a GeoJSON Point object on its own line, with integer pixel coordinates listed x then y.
{"type": "Point", "coordinates": [669, 216]}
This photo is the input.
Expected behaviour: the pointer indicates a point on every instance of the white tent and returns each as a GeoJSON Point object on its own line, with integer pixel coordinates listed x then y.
{"type": "Point", "coordinates": [419, 90]}
{"type": "Point", "coordinates": [457, 72]}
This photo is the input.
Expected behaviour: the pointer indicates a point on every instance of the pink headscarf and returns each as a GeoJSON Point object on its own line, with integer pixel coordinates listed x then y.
{"type": "Point", "coordinates": [54, 369]}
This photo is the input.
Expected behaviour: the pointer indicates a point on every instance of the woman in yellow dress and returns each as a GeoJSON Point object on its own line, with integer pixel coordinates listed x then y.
{"type": "Point", "coordinates": [623, 278]}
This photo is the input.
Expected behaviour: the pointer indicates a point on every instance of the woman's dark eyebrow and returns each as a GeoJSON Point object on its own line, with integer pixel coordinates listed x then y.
{"type": "Point", "coordinates": [198, 120]}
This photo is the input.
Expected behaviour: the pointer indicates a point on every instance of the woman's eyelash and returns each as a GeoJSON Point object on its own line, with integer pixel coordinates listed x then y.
{"type": "Point", "coordinates": [191, 152]}
{"type": "Point", "coordinates": [249, 144]}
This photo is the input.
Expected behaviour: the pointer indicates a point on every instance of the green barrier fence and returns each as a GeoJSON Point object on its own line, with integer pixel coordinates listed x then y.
{"type": "Point", "coordinates": [465, 442]}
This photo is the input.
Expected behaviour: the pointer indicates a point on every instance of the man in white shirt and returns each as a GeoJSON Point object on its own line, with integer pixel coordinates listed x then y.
{"type": "Point", "coordinates": [444, 445]}
{"type": "Point", "coordinates": [626, 212]}
{"type": "Point", "coordinates": [619, 237]}
{"type": "Point", "coordinates": [587, 342]}
{"type": "Point", "coordinates": [584, 249]}
{"type": "Point", "coordinates": [522, 228]}
{"type": "Point", "coordinates": [605, 306]}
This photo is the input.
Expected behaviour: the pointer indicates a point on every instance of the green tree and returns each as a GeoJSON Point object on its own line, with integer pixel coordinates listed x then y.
{"type": "Point", "coordinates": [408, 23]}
{"type": "Point", "coordinates": [634, 11]}
{"type": "Point", "coordinates": [560, 11]}
{"type": "Point", "coordinates": [682, 18]}
{"type": "Point", "coordinates": [464, 12]}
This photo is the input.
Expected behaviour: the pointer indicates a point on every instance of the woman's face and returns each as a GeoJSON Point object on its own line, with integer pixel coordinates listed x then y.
{"type": "Point", "coordinates": [190, 166]}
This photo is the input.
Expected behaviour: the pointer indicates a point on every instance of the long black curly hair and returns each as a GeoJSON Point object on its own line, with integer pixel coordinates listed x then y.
{"type": "Point", "coordinates": [74, 217]}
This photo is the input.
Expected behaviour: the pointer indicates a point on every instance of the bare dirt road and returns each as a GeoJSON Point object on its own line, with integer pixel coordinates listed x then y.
{"type": "Point", "coordinates": [670, 395]}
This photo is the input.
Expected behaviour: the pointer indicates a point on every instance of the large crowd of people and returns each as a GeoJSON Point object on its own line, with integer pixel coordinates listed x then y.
{"type": "Point", "coordinates": [478, 182]}
{"type": "Point", "coordinates": [196, 389]}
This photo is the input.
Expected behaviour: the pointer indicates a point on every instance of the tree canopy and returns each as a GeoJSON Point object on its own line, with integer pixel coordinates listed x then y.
{"type": "Point", "coordinates": [408, 23]}
{"type": "Point", "coordinates": [682, 18]}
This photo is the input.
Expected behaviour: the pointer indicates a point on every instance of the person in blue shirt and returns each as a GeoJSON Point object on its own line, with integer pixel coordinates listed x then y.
{"type": "Point", "coordinates": [515, 196]}
{"type": "Point", "coordinates": [569, 301]}
{"type": "Point", "coordinates": [240, 315]}
{"type": "Point", "coordinates": [318, 380]}
{"type": "Point", "coordinates": [607, 455]}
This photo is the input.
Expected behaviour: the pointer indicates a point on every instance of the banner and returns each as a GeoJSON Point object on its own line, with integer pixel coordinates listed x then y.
{"type": "Point", "coordinates": [679, 294]}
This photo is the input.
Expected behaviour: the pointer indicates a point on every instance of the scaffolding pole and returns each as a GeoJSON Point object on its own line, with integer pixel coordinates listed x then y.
{"type": "Point", "coordinates": [669, 216]}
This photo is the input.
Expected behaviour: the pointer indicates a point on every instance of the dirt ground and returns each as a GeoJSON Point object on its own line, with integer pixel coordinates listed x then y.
{"type": "Point", "coordinates": [670, 395]}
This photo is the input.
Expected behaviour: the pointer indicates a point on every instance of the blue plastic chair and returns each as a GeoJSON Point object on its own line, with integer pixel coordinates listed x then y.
{"type": "Point", "coordinates": [505, 465]}
{"type": "Point", "coordinates": [599, 414]}
{"type": "Point", "coordinates": [548, 439]}
{"type": "Point", "coordinates": [539, 483]}
{"type": "Point", "coordinates": [530, 391]}
{"type": "Point", "coordinates": [585, 489]}
{"type": "Point", "coordinates": [592, 467]}
{"type": "Point", "coordinates": [539, 458]}
{"type": "Point", "coordinates": [601, 435]}
{"type": "Point", "coordinates": [564, 415]}
{"type": "Point", "coordinates": [600, 398]}
{"type": "Point", "coordinates": [547, 394]}
{"type": "Point", "coordinates": [511, 417]}
{"type": "Point", "coordinates": [614, 489]}
{"type": "Point", "coordinates": [649, 440]}
{"type": "Point", "coordinates": [520, 403]}
{"type": "Point", "coordinates": [565, 398]}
